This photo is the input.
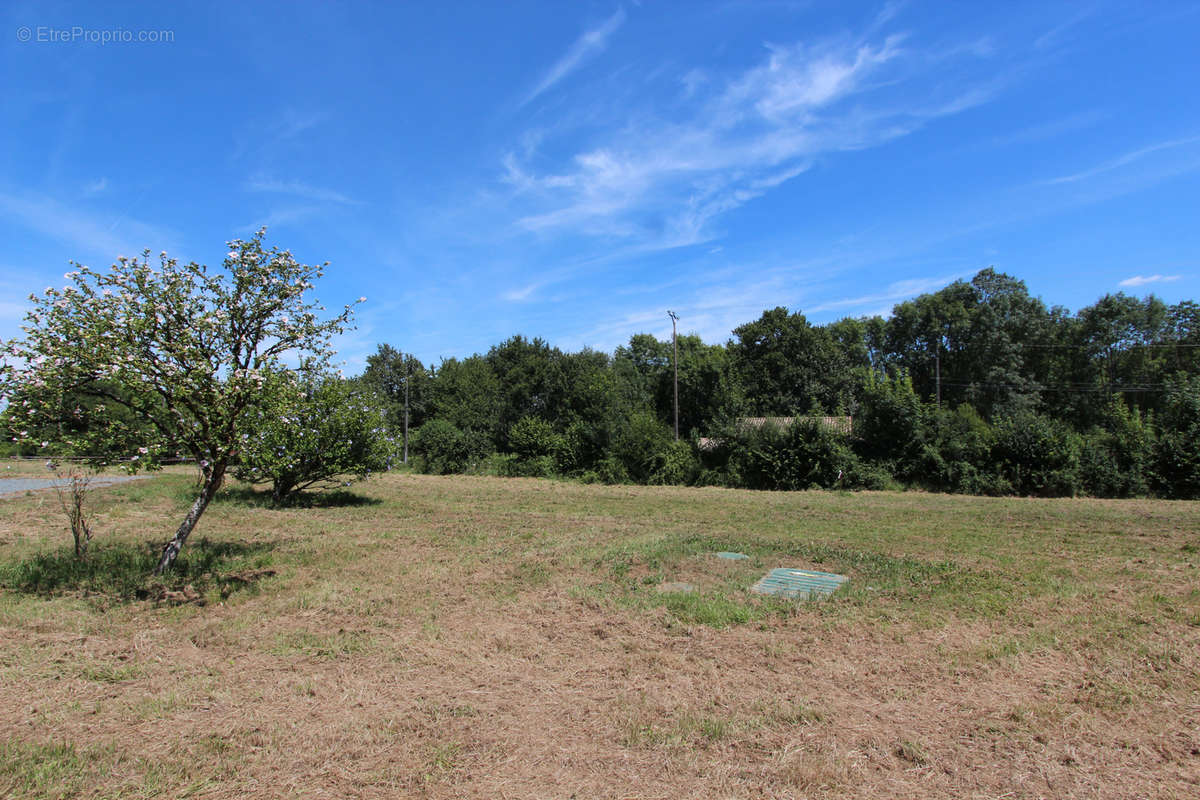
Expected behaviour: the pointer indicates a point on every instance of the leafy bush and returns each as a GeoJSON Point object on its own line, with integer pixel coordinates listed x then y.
{"type": "Point", "coordinates": [1115, 457]}
{"type": "Point", "coordinates": [677, 465]}
{"type": "Point", "coordinates": [1037, 455]}
{"type": "Point", "coordinates": [1177, 454]}
{"type": "Point", "coordinates": [639, 447]}
{"type": "Point", "coordinates": [581, 448]}
{"type": "Point", "coordinates": [537, 467]}
{"type": "Point", "coordinates": [890, 426]}
{"type": "Point", "coordinates": [443, 449]}
{"type": "Point", "coordinates": [804, 456]}
{"type": "Point", "coordinates": [531, 437]}
{"type": "Point", "coordinates": [314, 434]}
{"type": "Point", "coordinates": [959, 457]}
{"type": "Point", "coordinates": [608, 470]}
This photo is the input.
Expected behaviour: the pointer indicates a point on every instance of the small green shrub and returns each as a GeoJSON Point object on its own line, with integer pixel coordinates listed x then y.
{"type": "Point", "coordinates": [677, 465]}
{"type": "Point", "coordinates": [639, 446]}
{"type": "Point", "coordinates": [1037, 455]}
{"type": "Point", "coordinates": [807, 455]}
{"type": "Point", "coordinates": [443, 449]}
{"type": "Point", "coordinates": [1176, 457]}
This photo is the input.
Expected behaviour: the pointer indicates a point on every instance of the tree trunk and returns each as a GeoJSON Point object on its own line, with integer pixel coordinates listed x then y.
{"type": "Point", "coordinates": [280, 491]}
{"type": "Point", "coordinates": [208, 490]}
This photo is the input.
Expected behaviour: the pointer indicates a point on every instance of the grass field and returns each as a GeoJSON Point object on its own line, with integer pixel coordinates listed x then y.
{"type": "Point", "coordinates": [479, 637]}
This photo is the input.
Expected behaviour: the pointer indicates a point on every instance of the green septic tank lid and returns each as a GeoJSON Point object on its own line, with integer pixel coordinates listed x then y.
{"type": "Point", "coordinates": [731, 556]}
{"type": "Point", "coordinates": [798, 583]}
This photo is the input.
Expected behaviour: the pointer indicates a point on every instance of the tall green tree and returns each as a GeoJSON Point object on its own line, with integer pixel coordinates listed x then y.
{"type": "Point", "coordinates": [531, 380]}
{"type": "Point", "coordinates": [404, 384]}
{"type": "Point", "coordinates": [981, 337]}
{"type": "Point", "coordinates": [466, 394]}
{"type": "Point", "coordinates": [708, 389]}
{"type": "Point", "coordinates": [785, 366]}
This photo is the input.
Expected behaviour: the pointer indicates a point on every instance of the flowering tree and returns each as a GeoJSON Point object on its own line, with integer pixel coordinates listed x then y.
{"type": "Point", "coordinates": [183, 347]}
{"type": "Point", "coordinates": [315, 433]}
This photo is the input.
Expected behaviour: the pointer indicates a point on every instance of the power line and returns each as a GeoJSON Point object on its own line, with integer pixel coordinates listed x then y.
{"type": "Point", "coordinates": [1081, 388]}
{"type": "Point", "coordinates": [1122, 347]}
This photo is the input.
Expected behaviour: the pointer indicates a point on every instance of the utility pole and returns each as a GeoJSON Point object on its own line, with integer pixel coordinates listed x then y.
{"type": "Point", "coordinates": [675, 347]}
{"type": "Point", "coordinates": [407, 376]}
{"type": "Point", "coordinates": [938, 367]}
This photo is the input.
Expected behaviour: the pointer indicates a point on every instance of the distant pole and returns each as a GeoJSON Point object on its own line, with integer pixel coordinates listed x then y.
{"type": "Point", "coordinates": [938, 367]}
{"type": "Point", "coordinates": [675, 348]}
{"type": "Point", "coordinates": [407, 375]}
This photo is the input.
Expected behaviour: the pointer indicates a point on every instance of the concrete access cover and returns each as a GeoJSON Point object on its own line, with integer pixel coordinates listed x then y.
{"type": "Point", "coordinates": [799, 584]}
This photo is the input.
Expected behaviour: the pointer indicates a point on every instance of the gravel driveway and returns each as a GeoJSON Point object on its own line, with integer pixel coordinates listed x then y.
{"type": "Point", "coordinates": [13, 486]}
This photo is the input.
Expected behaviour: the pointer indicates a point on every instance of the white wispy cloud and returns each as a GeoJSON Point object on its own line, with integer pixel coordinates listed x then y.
{"type": "Point", "coordinates": [280, 217]}
{"type": "Point", "coordinates": [1052, 128]}
{"type": "Point", "coordinates": [897, 291]}
{"type": "Point", "coordinates": [1123, 160]}
{"type": "Point", "coordinates": [95, 187]}
{"type": "Point", "coordinates": [92, 235]}
{"type": "Point", "coordinates": [307, 191]}
{"type": "Point", "coordinates": [261, 138]}
{"type": "Point", "coordinates": [521, 293]}
{"type": "Point", "coordinates": [663, 182]}
{"type": "Point", "coordinates": [1052, 36]}
{"type": "Point", "coordinates": [590, 44]}
{"type": "Point", "coordinates": [1142, 280]}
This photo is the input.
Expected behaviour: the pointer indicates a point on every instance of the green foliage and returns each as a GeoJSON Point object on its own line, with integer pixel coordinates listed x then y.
{"type": "Point", "coordinates": [389, 373]}
{"type": "Point", "coordinates": [537, 449]}
{"type": "Point", "coordinates": [979, 332]}
{"type": "Point", "coordinates": [639, 447]}
{"type": "Point", "coordinates": [806, 455]}
{"type": "Point", "coordinates": [608, 470]}
{"type": "Point", "coordinates": [513, 466]}
{"type": "Point", "coordinates": [960, 457]}
{"type": "Point", "coordinates": [1037, 455]}
{"type": "Point", "coordinates": [890, 426]}
{"type": "Point", "coordinates": [118, 572]}
{"type": "Point", "coordinates": [707, 387]}
{"type": "Point", "coordinates": [1115, 457]}
{"type": "Point", "coordinates": [532, 437]}
{"type": "Point", "coordinates": [1004, 360]}
{"type": "Point", "coordinates": [677, 465]}
{"type": "Point", "coordinates": [580, 447]}
{"type": "Point", "coordinates": [182, 347]}
{"type": "Point", "coordinates": [444, 449]}
{"type": "Point", "coordinates": [315, 434]}
{"type": "Point", "coordinates": [1177, 455]}
{"type": "Point", "coordinates": [531, 380]}
{"type": "Point", "coordinates": [86, 425]}
{"type": "Point", "coordinates": [466, 394]}
{"type": "Point", "coordinates": [786, 366]}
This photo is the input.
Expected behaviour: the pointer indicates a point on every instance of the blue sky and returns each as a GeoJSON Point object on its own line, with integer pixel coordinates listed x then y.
{"type": "Point", "coordinates": [573, 170]}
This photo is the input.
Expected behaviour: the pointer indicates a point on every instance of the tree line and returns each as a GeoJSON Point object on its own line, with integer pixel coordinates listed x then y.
{"type": "Point", "coordinates": [978, 387]}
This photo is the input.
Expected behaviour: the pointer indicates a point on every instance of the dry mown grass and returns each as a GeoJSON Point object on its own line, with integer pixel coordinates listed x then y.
{"type": "Point", "coordinates": [474, 637]}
